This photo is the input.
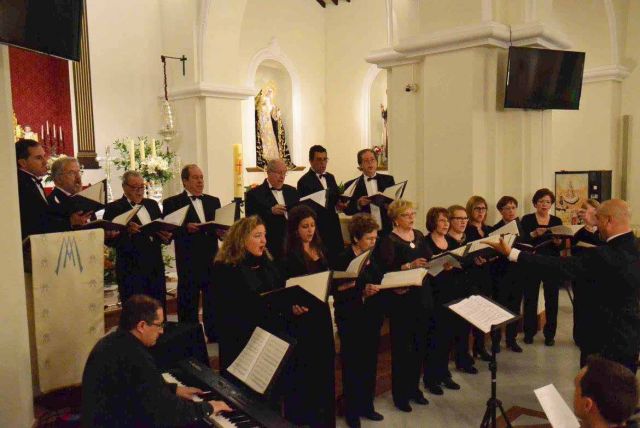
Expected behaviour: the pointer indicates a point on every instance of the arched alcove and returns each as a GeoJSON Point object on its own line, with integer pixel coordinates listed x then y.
{"type": "Point", "coordinates": [374, 93]}
{"type": "Point", "coordinates": [271, 65]}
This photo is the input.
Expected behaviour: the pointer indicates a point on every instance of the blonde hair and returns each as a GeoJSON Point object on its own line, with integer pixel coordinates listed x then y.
{"type": "Point", "coordinates": [590, 203]}
{"type": "Point", "coordinates": [233, 250]}
{"type": "Point", "coordinates": [397, 207]}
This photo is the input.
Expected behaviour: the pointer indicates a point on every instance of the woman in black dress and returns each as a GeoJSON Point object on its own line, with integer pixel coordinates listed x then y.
{"type": "Point", "coordinates": [359, 311]}
{"type": "Point", "coordinates": [445, 324]}
{"type": "Point", "coordinates": [479, 275]}
{"type": "Point", "coordinates": [508, 277]}
{"type": "Point", "coordinates": [535, 231]}
{"type": "Point", "coordinates": [409, 308]}
{"type": "Point", "coordinates": [310, 395]}
{"type": "Point", "coordinates": [243, 269]}
{"type": "Point", "coordinates": [583, 302]}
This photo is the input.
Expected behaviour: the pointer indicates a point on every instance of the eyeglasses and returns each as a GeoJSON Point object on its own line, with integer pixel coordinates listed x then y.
{"type": "Point", "coordinates": [460, 218]}
{"type": "Point", "coordinates": [78, 173]}
{"type": "Point", "coordinates": [479, 208]}
{"type": "Point", "coordinates": [409, 214]}
{"type": "Point", "coordinates": [160, 325]}
{"type": "Point", "coordinates": [134, 187]}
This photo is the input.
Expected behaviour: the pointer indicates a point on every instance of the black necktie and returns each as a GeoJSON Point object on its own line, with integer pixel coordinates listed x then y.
{"type": "Point", "coordinates": [193, 197]}
{"type": "Point", "coordinates": [375, 177]}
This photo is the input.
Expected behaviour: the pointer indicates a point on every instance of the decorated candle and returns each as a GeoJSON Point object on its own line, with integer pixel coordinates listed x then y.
{"type": "Point", "coordinates": [142, 150]}
{"type": "Point", "coordinates": [132, 155]}
{"type": "Point", "coordinates": [153, 149]}
{"type": "Point", "coordinates": [238, 188]}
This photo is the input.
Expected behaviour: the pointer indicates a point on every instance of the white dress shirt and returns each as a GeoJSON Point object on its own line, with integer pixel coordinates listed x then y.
{"type": "Point", "coordinates": [372, 189]}
{"type": "Point", "coordinates": [279, 199]}
{"type": "Point", "coordinates": [143, 214]}
{"type": "Point", "coordinates": [197, 204]}
{"type": "Point", "coordinates": [38, 182]}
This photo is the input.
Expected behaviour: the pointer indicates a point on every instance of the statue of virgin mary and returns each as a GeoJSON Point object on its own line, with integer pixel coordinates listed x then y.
{"type": "Point", "coordinates": [271, 141]}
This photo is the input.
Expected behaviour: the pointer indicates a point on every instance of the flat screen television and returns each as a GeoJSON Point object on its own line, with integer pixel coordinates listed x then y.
{"type": "Point", "coordinates": [543, 79]}
{"type": "Point", "coordinates": [47, 26]}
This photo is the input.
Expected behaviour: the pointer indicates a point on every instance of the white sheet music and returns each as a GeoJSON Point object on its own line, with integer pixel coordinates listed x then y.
{"type": "Point", "coordinates": [259, 360]}
{"type": "Point", "coordinates": [481, 243]}
{"type": "Point", "coordinates": [436, 265]}
{"type": "Point", "coordinates": [316, 284]}
{"type": "Point", "coordinates": [395, 192]}
{"type": "Point", "coordinates": [509, 228]}
{"type": "Point", "coordinates": [225, 215]}
{"type": "Point", "coordinates": [124, 218]}
{"type": "Point", "coordinates": [481, 312]}
{"type": "Point", "coordinates": [403, 278]}
{"type": "Point", "coordinates": [177, 217]}
{"type": "Point", "coordinates": [348, 192]}
{"type": "Point", "coordinates": [319, 197]}
{"type": "Point", "coordinates": [95, 192]}
{"type": "Point", "coordinates": [353, 270]}
{"type": "Point", "coordinates": [556, 409]}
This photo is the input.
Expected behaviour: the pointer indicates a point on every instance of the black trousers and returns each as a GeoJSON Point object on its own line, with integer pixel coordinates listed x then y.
{"type": "Point", "coordinates": [151, 283]}
{"type": "Point", "coordinates": [359, 332]}
{"type": "Point", "coordinates": [440, 337]}
{"type": "Point", "coordinates": [407, 322]}
{"type": "Point", "coordinates": [190, 285]}
{"type": "Point", "coordinates": [551, 292]}
{"type": "Point", "coordinates": [509, 295]}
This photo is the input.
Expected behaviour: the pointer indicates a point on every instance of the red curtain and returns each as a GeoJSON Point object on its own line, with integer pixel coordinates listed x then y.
{"type": "Point", "coordinates": [41, 92]}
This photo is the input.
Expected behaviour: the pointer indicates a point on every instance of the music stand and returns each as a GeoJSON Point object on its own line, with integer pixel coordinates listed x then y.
{"type": "Point", "coordinates": [489, 420]}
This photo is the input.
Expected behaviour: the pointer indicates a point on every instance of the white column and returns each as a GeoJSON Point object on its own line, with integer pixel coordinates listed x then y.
{"type": "Point", "coordinates": [16, 406]}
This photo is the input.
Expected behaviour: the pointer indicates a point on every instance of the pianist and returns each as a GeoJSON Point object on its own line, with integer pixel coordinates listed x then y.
{"type": "Point", "coordinates": [121, 385]}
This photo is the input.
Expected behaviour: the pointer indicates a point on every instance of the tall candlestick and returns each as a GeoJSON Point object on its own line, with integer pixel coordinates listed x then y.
{"type": "Point", "coordinates": [61, 134]}
{"type": "Point", "coordinates": [54, 132]}
{"type": "Point", "coordinates": [42, 132]}
{"type": "Point", "coordinates": [132, 155]}
{"type": "Point", "coordinates": [153, 148]}
{"type": "Point", "coordinates": [141, 150]}
{"type": "Point", "coordinates": [47, 128]}
{"type": "Point", "coordinates": [238, 185]}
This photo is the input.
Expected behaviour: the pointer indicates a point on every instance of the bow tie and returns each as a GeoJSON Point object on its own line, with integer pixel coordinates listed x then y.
{"type": "Point", "coordinates": [375, 177]}
{"type": "Point", "coordinates": [273, 189]}
{"type": "Point", "coordinates": [321, 176]}
{"type": "Point", "coordinates": [37, 180]}
{"type": "Point", "coordinates": [133, 204]}
{"type": "Point", "coordinates": [193, 197]}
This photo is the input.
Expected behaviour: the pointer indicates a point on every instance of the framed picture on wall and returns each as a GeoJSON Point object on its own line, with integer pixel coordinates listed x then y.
{"type": "Point", "coordinates": [573, 188]}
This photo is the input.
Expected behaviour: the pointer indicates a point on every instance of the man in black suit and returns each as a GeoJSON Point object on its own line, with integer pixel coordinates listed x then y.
{"type": "Point", "coordinates": [139, 264]}
{"type": "Point", "coordinates": [67, 178]}
{"type": "Point", "coordinates": [370, 183]}
{"type": "Point", "coordinates": [195, 248]}
{"type": "Point", "coordinates": [270, 201]}
{"type": "Point", "coordinates": [36, 216]}
{"type": "Point", "coordinates": [611, 273]}
{"type": "Point", "coordinates": [315, 180]}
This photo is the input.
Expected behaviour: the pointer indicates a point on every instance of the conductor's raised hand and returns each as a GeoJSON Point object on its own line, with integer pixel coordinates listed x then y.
{"type": "Point", "coordinates": [501, 247]}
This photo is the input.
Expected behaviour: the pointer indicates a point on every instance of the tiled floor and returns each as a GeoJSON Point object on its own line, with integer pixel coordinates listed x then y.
{"type": "Point", "coordinates": [518, 376]}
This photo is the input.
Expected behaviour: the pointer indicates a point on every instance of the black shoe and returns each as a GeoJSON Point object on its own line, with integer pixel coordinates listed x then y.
{"type": "Point", "coordinates": [495, 347]}
{"type": "Point", "coordinates": [404, 406]}
{"type": "Point", "coordinates": [353, 421]}
{"type": "Point", "coordinates": [482, 354]}
{"type": "Point", "coordinates": [514, 347]}
{"type": "Point", "coordinates": [549, 341]}
{"type": "Point", "coordinates": [433, 388]}
{"type": "Point", "coordinates": [528, 340]}
{"type": "Point", "coordinates": [372, 415]}
{"type": "Point", "coordinates": [450, 384]}
{"type": "Point", "coordinates": [470, 369]}
{"type": "Point", "coordinates": [420, 399]}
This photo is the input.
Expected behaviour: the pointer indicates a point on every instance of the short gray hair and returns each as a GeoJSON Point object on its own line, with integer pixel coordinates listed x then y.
{"type": "Point", "coordinates": [272, 164]}
{"type": "Point", "coordinates": [128, 174]}
{"type": "Point", "coordinates": [57, 167]}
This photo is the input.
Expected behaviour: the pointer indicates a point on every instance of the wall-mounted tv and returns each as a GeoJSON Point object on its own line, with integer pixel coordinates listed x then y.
{"type": "Point", "coordinates": [543, 79]}
{"type": "Point", "coordinates": [47, 26]}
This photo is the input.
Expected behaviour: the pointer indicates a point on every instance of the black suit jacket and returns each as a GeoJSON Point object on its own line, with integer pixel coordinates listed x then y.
{"type": "Point", "coordinates": [328, 221]}
{"type": "Point", "coordinates": [36, 215]}
{"type": "Point", "coordinates": [61, 206]}
{"type": "Point", "coordinates": [258, 201]}
{"type": "Point", "coordinates": [138, 253]}
{"type": "Point", "coordinates": [611, 273]}
{"type": "Point", "coordinates": [194, 252]}
{"type": "Point", "coordinates": [384, 181]}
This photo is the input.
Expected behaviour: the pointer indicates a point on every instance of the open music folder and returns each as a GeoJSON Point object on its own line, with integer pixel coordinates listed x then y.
{"type": "Point", "coordinates": [482, 312]}
{"type": "Point", "coordinates": [260, 361]}
{"type": "Point", "coordinates": [306, 290]}
{"type": "Point", "coordinates": [223, 219]}
{"type": "Point", "coordinates": [319, 198]}
{"type": "Point", "coordinates": [93, 198]}
{"type": "Point", "coordinates": [169, 223]}
{"type": "Point", "coordinates": [389, 194]}
{"type": "Point", "coordinates": [558, 412]}
{"type": "Point", "coordinates": [117, 223]}
{"type": "Point", "coordinates": [510, 228]}
{"type": "Point", "coordinates": [348, 192]}
{"type": "Point", "coordinates": [354, 269]}
{"type": "Point", "coordinates": [565, 230]}
{"type": "Point", "coordinates": [465, 254]}
{"type": "Point", "coordinates": [403, 278]}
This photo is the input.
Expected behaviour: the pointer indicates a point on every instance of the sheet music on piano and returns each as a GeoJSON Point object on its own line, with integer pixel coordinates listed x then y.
{"type": "Point", "coordinates": [481, 312]}
{"type": "Point", "coordinates": [260, 360]}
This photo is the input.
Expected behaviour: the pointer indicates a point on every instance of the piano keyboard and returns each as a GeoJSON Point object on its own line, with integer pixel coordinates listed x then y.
{"type": "Point", "coordinates": [234, 419]}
